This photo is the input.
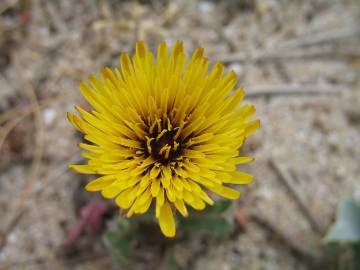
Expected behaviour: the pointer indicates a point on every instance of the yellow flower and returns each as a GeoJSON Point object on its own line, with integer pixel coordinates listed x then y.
{"type": "Point", "coordinates": [164, 130]}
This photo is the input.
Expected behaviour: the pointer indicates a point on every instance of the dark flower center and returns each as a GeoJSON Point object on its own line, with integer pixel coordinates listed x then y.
{"type": "Point", "coordinates": [163, 144]}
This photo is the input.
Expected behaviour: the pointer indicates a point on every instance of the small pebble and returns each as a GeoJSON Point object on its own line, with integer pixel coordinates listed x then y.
{"type": "Point", "coordinates": [206, 7]}
{"type": "Point", "coordinates": [49, 116]}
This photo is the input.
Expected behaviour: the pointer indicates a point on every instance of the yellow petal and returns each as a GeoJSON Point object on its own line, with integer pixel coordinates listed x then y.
{"type": "Point", "coordinates": [180, 206]}
{"type": "Point", "coordinates": [112, 191]}
{"type": "Point", "coordinates": [241, 160]}
{"type": "Point", "coordinates": [170, 193]}
{"type": "Point", "coordinates": [188, 197]}
{"type": "Point", "coordinates": [167, 172]}
{"type": "Point", "coordinates": [159, 202]}
{"type": "Point", "coordinates": [233, 101]}
{"type": "Point", "coordinates": [155, 187]}
{"type": "Point", "coordinates": [239, 178]}
{"type": "Point", "coordinates": [225, 192]}
{"type": "Point", "coordinates": [145, 196]}
{"type": "Point", "coordinates": [251, 127]}
{"type": "Point", "coordinates": [178, 183]}
{"type": "Point", "coordinates": [123, 200]}
{"type": "Point", "coordinates": [144, 207]}
{"type": "Point", "coordinates": [167, 221]}
{"type": "Point", "coordinates": [181, 172]}
{"type": "Point", "coordinates": [193, 154]}
{"type": "Point", "coordinates": [197, 203]}
{"type": "Point", "coordinates": [155, 172]}
{"type": "Point", "coordinates": [165, 181]}
{"type": "Point", "coordinates": [206, 198]}
{"type": "Point", "coordinates": [72, 118]}
{"type": "Point", "coordinates": [86, 169]}
{"type": "Point", "coordinates": [100, 183]}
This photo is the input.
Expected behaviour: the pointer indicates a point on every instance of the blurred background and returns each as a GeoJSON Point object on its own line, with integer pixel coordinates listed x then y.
{"type": "Point", "coordinates": [299, 62]}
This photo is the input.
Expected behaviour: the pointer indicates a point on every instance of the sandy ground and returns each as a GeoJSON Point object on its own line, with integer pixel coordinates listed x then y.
{"type": "Point", "coordinates": [298, 60]}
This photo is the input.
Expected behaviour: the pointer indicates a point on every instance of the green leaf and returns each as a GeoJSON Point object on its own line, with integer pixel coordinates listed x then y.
{"type": "Point", "coordinates": [356, 252]}
{"type": "Point", "coordinates": [122, 247]}
{"type": "Point", "coordinates": [171, 264]}
{"type": "Point", "coordinates": [217, 226]}
{"type": "Point", "coordinates": [120, 238]}
{"type": "Point", "coordinates": [123, 224]}
{"type": "Point", "coordinates": [347, 225]}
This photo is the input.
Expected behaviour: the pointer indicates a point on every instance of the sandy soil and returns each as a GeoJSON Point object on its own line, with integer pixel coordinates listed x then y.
{"type": "Point", "coordinates": [298, 60]}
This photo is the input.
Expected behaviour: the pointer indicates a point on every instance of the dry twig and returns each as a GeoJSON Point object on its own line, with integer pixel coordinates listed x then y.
{"type": "Point", "coordinates": [290, 89]}
{"type": "Point", "coordinates": [330, 54]}
{"type": "Point", "coordinates": [57, 171]}
{"type": "Point", "coordinates": [6, 5]}
{"type": "Point", "coordinates": [5, 131]}
{"type": "Point", "coordinates": [49, 261]}
{"type": "Point", "coordinates": [20, 109]}
{"type": "Point", "coordinates": [321, 38]}
{"type": "Point", "coordinates": [36, 163]}
{"type": "Point", "coordinates": [287, 180]}
{"type": "Point", "coordinates": [54, 173]}
{"type": "Point", "coordinates": [277, 235]}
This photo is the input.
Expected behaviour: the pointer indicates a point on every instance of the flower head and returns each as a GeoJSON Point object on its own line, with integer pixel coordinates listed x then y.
{"type": "Point", "coordinates": [165, 131]}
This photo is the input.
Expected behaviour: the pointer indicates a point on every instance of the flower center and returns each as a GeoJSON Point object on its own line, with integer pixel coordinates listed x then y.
{"type": "Point", "coordinates": [163, 142]}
